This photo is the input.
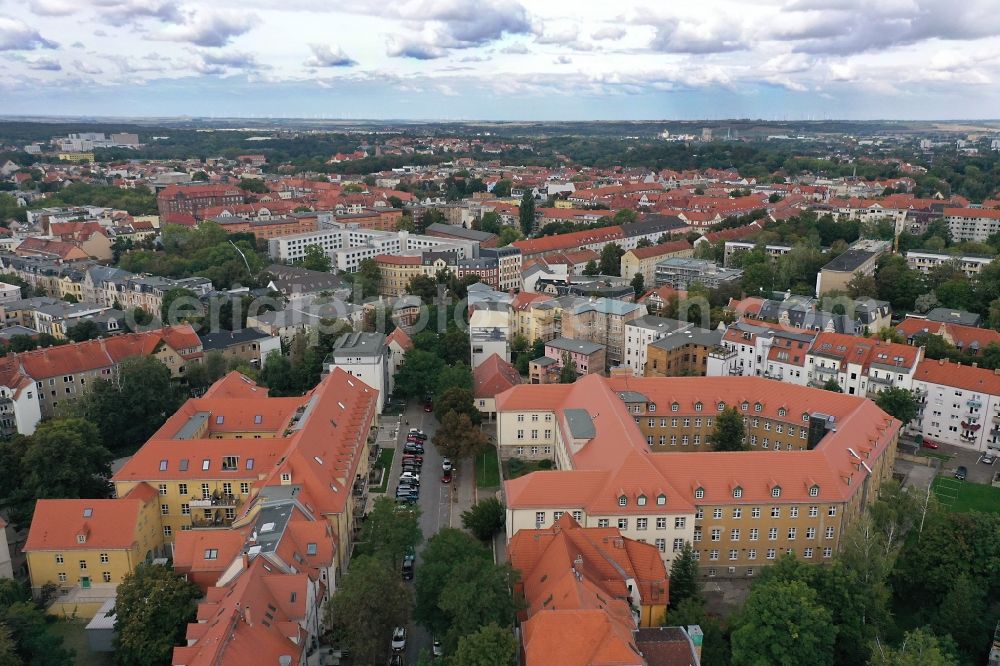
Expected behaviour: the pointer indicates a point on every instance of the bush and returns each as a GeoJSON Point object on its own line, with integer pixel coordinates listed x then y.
{"type": "Point", "coordinates": [485, 518]}
{"type": "Point", "coordinates": [515, 466]}
{"type": "Point", "coordinates": [545, 464]}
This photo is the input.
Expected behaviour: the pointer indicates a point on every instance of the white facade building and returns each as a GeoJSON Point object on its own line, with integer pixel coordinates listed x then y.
{"type": "Point", "coordinates": [366, 356]}
{"type": "Point", "coordinates": [959, 405]}
{"type": "Point", "coordinates": [642, 331]}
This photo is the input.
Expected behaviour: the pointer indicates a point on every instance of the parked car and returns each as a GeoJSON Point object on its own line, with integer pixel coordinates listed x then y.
{"type": "Point", "coordinates": [411, 467]}
{"type": "Point", "coordinates": [928, 444]}
{"type": "Point", "coordinates": [413, 457]}
{"type": "Point", "coordinates": [987, 458]}
{"type": "Point", "coordinates": [446, 477]}
{"type": "Point", "coordinates": [428, 406]}
{"type": "Point", "coordinates": [960, 472]}
{"type": "Point", "coordinates": [398, 639]}
{"type": "Point", "coordinates": [407, 570]}
{"type": "Point", "coordinates": [410, 478]}
{"type": "Point", "coordinates": [396, 659]}
{"type": "Point", "coordinates": [417, 432]}
{"type": "Point", "coordinates": [437, 649]}
{"type": "Point", "coordinates": [414, 448]}
{"type": "Point", "coordinates": [446, 464]}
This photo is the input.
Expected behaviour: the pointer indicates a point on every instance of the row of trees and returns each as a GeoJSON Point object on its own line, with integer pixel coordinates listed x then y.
{"type": "Point", "coordinates": [869, 606]}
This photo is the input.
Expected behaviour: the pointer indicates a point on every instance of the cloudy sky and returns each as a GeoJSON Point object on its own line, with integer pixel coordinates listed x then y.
{"type": "Point", "coordinates": [504, 59]}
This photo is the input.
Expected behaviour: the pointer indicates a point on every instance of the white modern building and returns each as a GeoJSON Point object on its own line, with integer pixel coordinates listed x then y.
{"type": "Point", "coordinates": [349, 245]}
{"type": "Point", "coordinates": [972, 224]}
{"type": "Point", "coordinates": [640, 332]}
{"type": "Point", "coordinates": [959, 405]}
{"type": "Point", "coordinates": [925, 261]}
{"type": "Point", "coordinates": [367, 357]}
{"type": "Point", "coordinates": [489, 333]}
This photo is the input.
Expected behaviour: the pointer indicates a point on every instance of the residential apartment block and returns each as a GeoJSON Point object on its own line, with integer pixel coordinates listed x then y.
{"type": "Point", "coordinates": [972, 224]}
{"type": "Point", "coordinates": [682, 273]}
{"type": "Point", "coordinates": [602, 321]}
{"type": "Point", "coordinates": [683, 353]}
{"type": "Point", "coordinates": [367, 357]}
{"type": "Point", "coordinates": [222, 457]}
{"type": "Point", "coordinates": [959, 405]}
{"type": "Point", "coordinates": [85, 547]}
{"type": "Point", "coordinates": [924, 261]}
{"type": "Point", "coordinates": [588, 358]}
{"type": "Point", "coordinates": [642, 331]}
{"type": "Point", "coordinates": [643, 260]}
{"type": "Point", "coordinates": [633, 453]}
{"type": "Point", "coordinates": [859, 260]}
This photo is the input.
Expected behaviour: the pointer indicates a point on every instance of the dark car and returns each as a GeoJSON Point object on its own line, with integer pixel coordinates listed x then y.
{"type": "Point", "coordinates": [419, 434]}
{"type": "Point", "coordinates": [960, 472]}
{"type": "Point", "coordinates": [413, 457]}
{"type": "Point", "coordinates": [409, 448]}
{"type": "Point", "coordinates": [428, 406]}
{"type": "Point", "coordinates": [446, 477]}
{"type": "Point", "coordinates": [407, 570]}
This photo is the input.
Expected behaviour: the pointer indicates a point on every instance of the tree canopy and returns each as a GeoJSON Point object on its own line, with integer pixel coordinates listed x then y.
{"type": "Point", "coordinates": [729, 431]}
{"type": "Point", "coordinates": [153, 608]}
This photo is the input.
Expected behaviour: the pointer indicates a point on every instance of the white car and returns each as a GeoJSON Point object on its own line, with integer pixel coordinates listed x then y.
{"type": "Point", "coordinates": [437, 649]}
{"type": "Point", "coordinates": [398, 639]}
{"type": "Point", "coordinates": [987, 458]}
{"type": "Point", "coordinates": [409, 477]}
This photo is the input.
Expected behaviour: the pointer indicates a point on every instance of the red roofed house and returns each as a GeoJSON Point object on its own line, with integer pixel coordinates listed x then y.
{"type": "Point", "coordinates": [45, 248]}
{"type": "Point", "coordinates": [643, 260]}
{"type": "Point", "coordinates": [586, 592]}
{"type": "Point", "coordinates": [85, 547]}
{"type": "Point", "coordinates": [191, 199]}
{"type": "Point", "coordinates": [634, 452]}
{"type": "Point", "coordinates": [972, 224]}
{"type": "Point", "coordinates": [491, 377]}
{"type": "Point", "coordinates": [967, 339]}
{"type": "Point", "coordinates": [960, 405]}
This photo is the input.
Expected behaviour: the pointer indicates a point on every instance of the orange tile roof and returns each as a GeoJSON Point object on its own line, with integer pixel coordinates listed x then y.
{"type": "Point", "coordinates": [863, 351]}
{"type": "Point", "coordinates": [252, 620]}
{"type": "Point", "coordinates": [191, 547]}
{"type": "Point", "coordinates": [570, 241]}
{"type": "Point", "coordinates": [618, 462]}
{"type": "Point", "coordinates": [400, 337]}
{"type": "Point", "coordinates": [661, 249]}
{"type": "Point", "coordinates": [107, 524]}
{"type": "Point", "coordinates": [579, 638]}
{"type": "Point", "coordinates": [957, 375]}
{"type": "Point", "coordinates": [493, 376]}
{"type": "Point", "coordinates": [965, 337]}
{"type": "Point", "coordinates": [988, 213]}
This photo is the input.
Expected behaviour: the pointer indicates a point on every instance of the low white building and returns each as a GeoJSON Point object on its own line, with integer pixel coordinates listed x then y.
{"type": "Point", "coordinates": [9, 293]}
{"type": "Point", "coordinates": [924, 261]}
{"type": "Point", "coordinates": [367, 357]}
{"type": "Point", "coordinates": [959, 405]}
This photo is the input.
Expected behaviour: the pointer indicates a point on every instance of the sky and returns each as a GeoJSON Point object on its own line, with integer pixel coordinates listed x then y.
{"type": "Point", "coordinates": [502, 60]}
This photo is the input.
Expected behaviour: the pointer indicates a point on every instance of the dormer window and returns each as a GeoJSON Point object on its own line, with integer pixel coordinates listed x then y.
{"type": "Point", "coordinates": [745, 406]}
{"type": "Point", "coordinates": [81, 538]}
{"type": "Point", "coordinates": [758, 407]}
{"type": "Point", "coordinates": [776, 491]}
{"type": "Point", "coordinates": [805, 417]}
{"type": "Point", "coordinates": [697, 406]}
{"type": "Point", "coordinates": [699, 493]}
{"type": "Point", "coordinates": [661, 499]}
{"type": "Point", "coordinates": [674, 407]}
{"type": "Point", "coordinates": [641, 500]}
{"type": "Point", "coordinates": [651, 407]}
{"type": "Point", "coordinates": [814, 491]}
{"type": "Point", "coordinates": [219, 419]}
{"type": "Point", "coordinates": [622, 501]}
{"type": "Point", "coordinates": [737, 492]}
{"type": "Point", "coordinates": [721, 406]}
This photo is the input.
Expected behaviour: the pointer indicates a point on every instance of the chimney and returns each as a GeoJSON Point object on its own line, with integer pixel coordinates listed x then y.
{"type": "Point", "coordinates": [246, 616]}
{"type": "Point", "coordinates": [975, 364]}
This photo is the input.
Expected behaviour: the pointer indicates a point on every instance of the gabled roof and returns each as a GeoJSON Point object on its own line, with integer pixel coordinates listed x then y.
{"type": "Point", "coordinates": [105, 523]}
{"type": "Point", "coordinates": [400, 337]}
{"type": "Point", "coordinates": [493, 376]}
{"type": "Point", "coordinates": [957, 375]}
{"type": "Point", "coordinates": [662, 249]}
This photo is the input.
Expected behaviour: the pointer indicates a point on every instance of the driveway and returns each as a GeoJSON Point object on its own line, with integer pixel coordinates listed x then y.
{"type": "Point", "coordinates": [978, 472]}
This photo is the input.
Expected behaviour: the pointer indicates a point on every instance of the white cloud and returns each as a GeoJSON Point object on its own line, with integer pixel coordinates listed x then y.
{"type": "Point", "coordinates": [328, 55]}
{"type": "Point", "coordinates": [214, 28]}
{"type": "Point", "coordinates": [16, 35]}
{"type": "Point", "coordinates": [53, 7]}
{"type": "Point", "coordinates": [608, 32]}
{"type": "Point", "coordinates": [399, 46]}
{"type": "Point", "coordinates": [87, 68]}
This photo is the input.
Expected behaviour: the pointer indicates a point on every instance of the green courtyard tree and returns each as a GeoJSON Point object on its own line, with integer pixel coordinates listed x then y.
{"type": "Point", "coordinates": [919, 647]}
{"type": "Point", "coordinates": [611, 259]}
{"type": "Point", "coordinates": [130, 407]}
{"type": "Point", "coordinates": [153, 608]}
{"type": "Point", "coordinates": [684, 577]}
{"type": "Point", "coordinates": [729, 431]}
{"type": "Point", "coordinates": [491, 645]}
{"type": "Point", "coordinates": [832, 385]}
{"type": "Point", "coordinates": [638, 285]}
{"type": "Point", "coordinates": [458, 400]}
{"type": "Point", "coordinates": [783, 624]}
{"type": "Point", "coordinates": [591, 268]}
{"type": "Point", "coordinates": [485, 518]}
{"type": "Point", "coordinates": [315, 259]}
{"type": "Point", "coordinates": [526, 213]}
{"type": "Point", "coordinates": [417, 377]}
{"type": "Point", "coordinates": [65, 458]}
{"type": "Point", "coordinates": [475, 596]}
{"type": "Point", "coordinates": [371, 600]}
{"type": "Point", "coordinates": [567, 373]}
{"type": "Point", "coordinates": [442, 555]}
{"type": "Point", "coordinates": [900, 403]}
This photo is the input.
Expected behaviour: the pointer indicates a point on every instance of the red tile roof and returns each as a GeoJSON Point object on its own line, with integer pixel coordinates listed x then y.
{"type": "Point", "coordinates": [570, 241]}
{"type": "Point", "coordinates": [965, 337]}
{"type": "Point", "coordinates": [493, 376]}
{"type": "Point", "coordinates": [107, 523]}
{"type": "Point", "coordinates": [983, 213]}
{"type": "Point", "coordinates": [670, 247]}
{"type": "Point", "coordinates": [957, 375]}
{"type": "Point", "coordinates": [400, 337]}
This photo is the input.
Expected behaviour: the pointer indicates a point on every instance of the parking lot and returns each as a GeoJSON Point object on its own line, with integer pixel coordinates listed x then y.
{"type": "Point", "coordinates": [977, 472]}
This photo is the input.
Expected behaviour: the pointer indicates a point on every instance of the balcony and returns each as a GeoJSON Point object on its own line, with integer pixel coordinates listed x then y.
{"type": "Point", "coordinates": [885, 381]}
{"type": "Point", "coordinates": [974, 403]}
{"type": "Point", "coordinates": [218, 519]}
{"type": "Point", "coordinates": [969, 425]}
{"type": "Point", "coordinates": [210, 502]}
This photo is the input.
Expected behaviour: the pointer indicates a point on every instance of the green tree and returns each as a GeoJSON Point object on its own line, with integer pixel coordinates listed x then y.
{"type": "Point", "coordinates": [862, 286]}
{"type": "Point", "coordinates": [485, 518]}
{"type": "Point", "coordinates": [526, 213]}
{"type": "Point", "coordinates": [684, 577]}
{"type": "Point", "coordinates": [391, 532]}
{"type": "Point", "coordinates": [502, 188]}
{"type": "Point", "coordinates": [8, 649]}
{"type": "Point", "coordinates": [315, 259]}
{"type": "Point", "coordinates": [638, 285]}
{"type": "Point", "coordinates": [900, 403]}
{"type": "Point", "coordinates": [490, 645]}
{"type": "Point", "coordinates": [367, 280]}
{"type": "Point", "coordinates": [457, 437]}
{"type": "Point", "coordinates": [65, 458]}
{"type": "Point", "coordinates": [35, 644]}
{"type": "Point", "coordinates": [507, 236]}
{"type": "Point", "coordinates": [832, 385]}
{"type": "Point", "coordinates": [187, 307]}
{"type": "Point", "coordinates": [567, 373]}
{"type": "Point", "coordinates": [459, 401]}
{"type": "Point", "coordinates": [130, 407]}
{"type": "Point", "coordinates": [591, 268]}
{"type": "Point", "coordinates": [417, 376]}
{"type": "Point", "coordinates": [716, 650]}
{"type": "Point", "coordinates": [423, 286]}
{"type": "Point", "coordinates": [278, 375]}
{"type": "Point", "coordinates": [153, 608]}
{"type": "Point", "coordinates": [454, 376]}
{"type": "Point", "coordinates": [440, 558]}
{"type": "Point", "coordinates": [199, 177]}
{"type": "Point", "coordinates": [729, 433]}
{"type": "Point", "coordinates": [935, 346]}
{"type": "Point", "coordinates": [611, 259]}
{"type": "Point", "coordinates": [783, 624]}
{"type": "Point", "coordinates": [475, 596]}
{"type": "Point", "coordinates": [83, 330]}
{"type": "Point", "coordinates": [964, 615]}
{"type": "Point", "coordinates": [371, 601]}
{"type": "Point", "coordinates": [920, 647]}
{"type": "Point", "coordinates": [255, 185]}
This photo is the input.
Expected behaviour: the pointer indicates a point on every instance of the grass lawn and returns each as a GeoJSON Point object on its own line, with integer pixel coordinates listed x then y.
{"type": "Point", "coordinates": [385, 462]}
{"type": "Point", "coordinates": [962, 496]}
{"type": "Point", "coordinates": [487, 469]}
{"type": "Point", "coordinates": [516, 467]}
{"type": "Point", "coordinates": [74, 637]}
